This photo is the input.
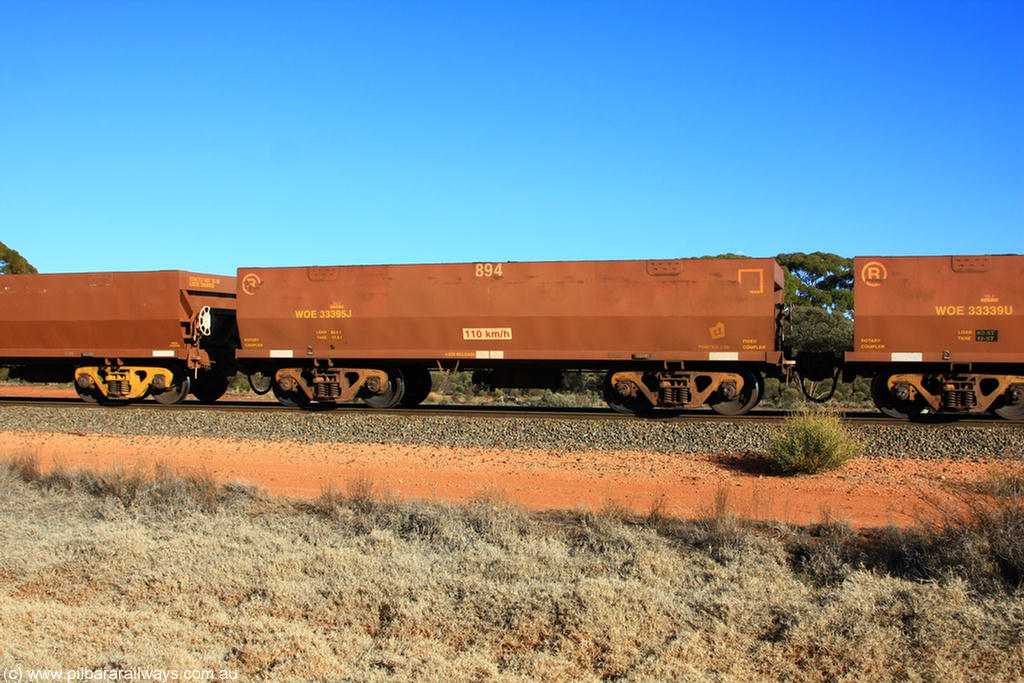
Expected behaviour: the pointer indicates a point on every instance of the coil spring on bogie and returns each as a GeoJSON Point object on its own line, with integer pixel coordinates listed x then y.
{"type": "Point", "coordinates": [675, 395]}
{"type": "Point", "coordinates": [959, 399]}
{"type": "Point", "coordinates": [326, 390]}
{"type": "Point", "coordinates": [117, 387]}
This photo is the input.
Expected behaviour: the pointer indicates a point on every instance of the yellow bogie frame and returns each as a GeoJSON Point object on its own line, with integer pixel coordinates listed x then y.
{"type": "Point", "coordinates": [123, 382]}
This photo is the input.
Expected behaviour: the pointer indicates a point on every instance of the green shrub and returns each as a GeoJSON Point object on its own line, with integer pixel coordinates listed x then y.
{"type": "Point", "coordinates": [790, 397]}
{"type": "Point", "coordinates": [811, 441]}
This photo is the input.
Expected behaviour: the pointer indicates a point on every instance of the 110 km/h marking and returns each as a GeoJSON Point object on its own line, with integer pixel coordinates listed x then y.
{"type": "Point", "coordinates": [488, 333]}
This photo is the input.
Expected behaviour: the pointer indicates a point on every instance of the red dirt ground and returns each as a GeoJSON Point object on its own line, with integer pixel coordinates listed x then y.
{"type": "Point", "coordinates": [868, 492]}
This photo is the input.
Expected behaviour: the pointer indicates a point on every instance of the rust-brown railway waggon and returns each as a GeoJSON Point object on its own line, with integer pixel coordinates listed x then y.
{"type": "Point", "coordinates": [680, 333]}
{"type": "Point", "coordinates": [121, 335]}
{"type": "Point", "coordinates": [943, 334]}
{"type": "Point", "coordinates": [936, 334]}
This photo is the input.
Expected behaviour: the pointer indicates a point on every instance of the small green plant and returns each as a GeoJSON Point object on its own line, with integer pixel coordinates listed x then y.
{"type": "Point", "coordinates": [811, 441]}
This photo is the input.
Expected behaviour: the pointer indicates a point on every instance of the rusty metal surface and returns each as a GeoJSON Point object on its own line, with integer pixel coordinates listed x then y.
{"type": "Point", "coordinates": [941, 309]}
{"type": "Point", "coordinates": [125, 315]}
{"type": "Point", "coordinates": [591, 312]}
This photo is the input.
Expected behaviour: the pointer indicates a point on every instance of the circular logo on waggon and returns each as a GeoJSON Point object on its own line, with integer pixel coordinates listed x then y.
{"type": "Point", "coordinates": [873, 273]}
{"type": "Point", "coordinates": [251, 282]}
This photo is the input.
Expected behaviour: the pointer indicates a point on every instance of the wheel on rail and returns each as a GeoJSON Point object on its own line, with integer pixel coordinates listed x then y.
{"type": "Point", "coordinates": [88, 394]}
{"type": "Point", "coordinates": [417, 386]}
{"type": "Point", "coordinates": [1010, 411]}
{"type": "Point", "coordinates": [291, 399]}
{"type": "Point", "coordinates": [175, 393]}
{"type": "Point", "coordinates": [889, 404]}
{"type": "Point", "coordinates": [748, 397]}
{"type": "Point", "coordinates": [635, 404]}
{"type": "Point", "coordinates": [208, 386]}
{"type": "Point", "coordinates": [392, 395]}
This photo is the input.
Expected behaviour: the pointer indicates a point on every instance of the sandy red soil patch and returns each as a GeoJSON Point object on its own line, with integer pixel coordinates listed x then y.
{"type": "Point", "coordinates": [30, 391]}
{"type": "Point", "coordinates": [37, 391]}
{"type": "Point", "coordinates": [865, 493]}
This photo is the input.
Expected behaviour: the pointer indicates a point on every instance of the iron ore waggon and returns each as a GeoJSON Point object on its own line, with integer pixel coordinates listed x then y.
{"type": "Point", "coordinates": [943, 334]}
{"type": "Point", "coordinates": [667, 333]}
{"type": "Point", "coordinates": [121, 335]}
{"type": "Point", "coordinates": [936, 334]}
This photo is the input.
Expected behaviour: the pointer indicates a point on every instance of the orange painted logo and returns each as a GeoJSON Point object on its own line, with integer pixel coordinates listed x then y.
{"type": "Point", "coordinates": [873, 274]}
{"type": "Point", "coordinates": [751, 272]}
{"type": "Point", "coordinates": [251, 282]}
{"type": "Point", "coordinates": [717, 331]}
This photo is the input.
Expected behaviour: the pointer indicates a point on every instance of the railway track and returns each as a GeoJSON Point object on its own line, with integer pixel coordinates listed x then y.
{"type": "Point", "coordinates": [764, 416]}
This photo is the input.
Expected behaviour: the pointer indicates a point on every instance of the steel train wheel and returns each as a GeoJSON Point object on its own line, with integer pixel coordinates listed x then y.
{"type": "Point", "coordinates": [394, 394]}
{"type": "Point", "coordinates": [749, 396]}
{"type": "Point", "coordinates": [90, 395]}
{"type": "Point", "coordinates": [175, 393]}
{"type": "Point", "coordinates": [291, 399]}
{"type": "Point", "coordinates": [1010, 406]}
{"type": "Point", "coordinates": [417, 386]}
{"type": "Point", "coordinates": [1010, 412]}
{"type": "Point", "coordinates": [889, 404]}
{"type": "Point", "coordinates": [628, 405]}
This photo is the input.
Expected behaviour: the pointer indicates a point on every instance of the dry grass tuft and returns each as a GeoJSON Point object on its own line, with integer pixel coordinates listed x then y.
{"type": "Point", "coordinates": [978, 533]}
{"type": "Point", "coordinates": [159, 487]}
{"type": "Point", "coordinates": [25, 466]}
{"type": "Point", "coordinates": [59, 478]}
{"type": "Point", "coordinates": [196, 490]}
{"type": "Point", "coordinates": [613, 509]}
{"type": "Point", "coordinates": [657, 511]}
{"type": "Point", "coordinates": [827, 553]}
{"type": "Point", "coordinates": [362, 493]}
{"type": "Point", "coordinates": [329, 503]}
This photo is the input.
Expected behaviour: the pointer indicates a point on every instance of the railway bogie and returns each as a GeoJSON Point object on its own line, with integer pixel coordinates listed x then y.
{"type": "Point", "coordinates": [379, 387]}
{"type": "Point", "coordinates": [127, 382]}
{"type": "Point", "coordinates": [728, 392]}
{"type": "Point", "coordinates": [909, 393]}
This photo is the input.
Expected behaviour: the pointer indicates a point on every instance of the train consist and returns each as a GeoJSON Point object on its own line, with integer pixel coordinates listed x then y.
{"type": "Point", "coordinates": [935, 334]}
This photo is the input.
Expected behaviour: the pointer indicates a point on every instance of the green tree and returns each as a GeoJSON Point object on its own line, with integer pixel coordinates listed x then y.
{"type": "Point", "coordinates": [820, 279]}
{"type": "Point", "coordinates": [12, 263]}
{"type": "Point", "coordinates": [819, 291]}
{"type": "Point", "coordinates": [815, 329]}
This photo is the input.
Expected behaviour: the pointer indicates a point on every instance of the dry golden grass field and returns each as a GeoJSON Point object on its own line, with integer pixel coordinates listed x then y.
{"type": "Point", "coordinates": [154, 571]}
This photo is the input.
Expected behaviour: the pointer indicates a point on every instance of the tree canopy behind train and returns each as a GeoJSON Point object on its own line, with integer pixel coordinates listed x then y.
{"type": "Point", "coordinates": [13, 263]}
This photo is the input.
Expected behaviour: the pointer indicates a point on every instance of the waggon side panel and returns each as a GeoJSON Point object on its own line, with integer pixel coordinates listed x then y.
{"type": "Point", "coordinates": [944, 309]}
{"type": "Point", "coordinates": [693, 309]}
{"type": "Point", "coordinates": [105, 315]}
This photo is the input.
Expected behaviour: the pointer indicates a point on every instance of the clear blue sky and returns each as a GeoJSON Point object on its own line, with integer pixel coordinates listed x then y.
{"type": "Point", "coordinates": [212, 135]}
